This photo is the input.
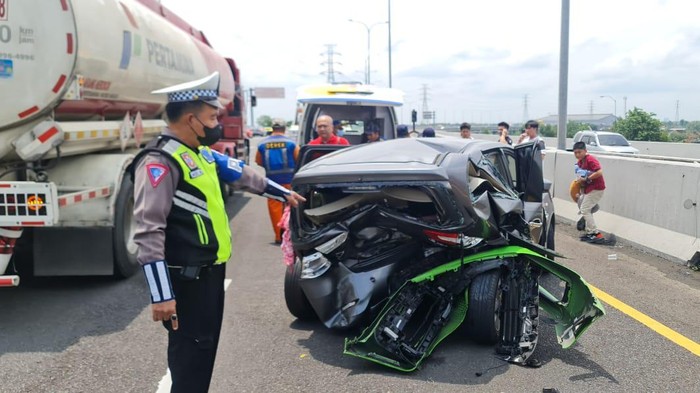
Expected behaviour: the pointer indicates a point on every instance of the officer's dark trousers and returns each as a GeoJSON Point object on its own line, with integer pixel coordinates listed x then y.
{"type": "Point", "coordinates": [192, 348]}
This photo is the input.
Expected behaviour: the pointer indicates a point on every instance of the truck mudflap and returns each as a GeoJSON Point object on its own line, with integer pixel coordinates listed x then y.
{"type": "Point", "coordinates": [432, 305]}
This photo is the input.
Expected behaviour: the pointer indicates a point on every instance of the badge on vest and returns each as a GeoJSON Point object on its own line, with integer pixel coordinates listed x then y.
{"type": "Point", "coordinates": [196, 173]}
{"type": "Point", "coordinates": [275, 145]}
{"type": "Point", "coordinates": [188, 160]}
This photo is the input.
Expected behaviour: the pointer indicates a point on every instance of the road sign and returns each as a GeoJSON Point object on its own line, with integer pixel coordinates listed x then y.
{"type": "Point", "coordinates": [269, 92]}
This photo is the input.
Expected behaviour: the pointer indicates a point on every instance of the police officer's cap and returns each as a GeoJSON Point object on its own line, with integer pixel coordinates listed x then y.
{"type": "Point", "coordinates": [205, 90]}
{"type": "Point", "coordinates": [402, 130]}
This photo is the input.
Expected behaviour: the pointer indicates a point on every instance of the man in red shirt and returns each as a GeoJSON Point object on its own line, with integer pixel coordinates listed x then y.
{"type": "Point", "coordinates": [324, 127]}
{"type": "Point", "coordinates": [593, 185]}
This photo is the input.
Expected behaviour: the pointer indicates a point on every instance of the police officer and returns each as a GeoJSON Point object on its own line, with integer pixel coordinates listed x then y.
{"type": "Point", "coordinates": [372, 133]}
{"type": "Point", "coordinates": [402, 131]}
{"type": "Point", "coordinates": [182, 230]}
{"type": "Point", "coordinates": [278, 155]}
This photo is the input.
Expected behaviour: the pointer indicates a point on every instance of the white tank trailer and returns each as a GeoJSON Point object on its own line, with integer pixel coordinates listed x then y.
{"type": "Point", "coordinates": [75, 105]}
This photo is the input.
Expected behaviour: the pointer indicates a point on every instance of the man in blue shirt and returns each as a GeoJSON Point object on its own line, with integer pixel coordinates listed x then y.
{"type": "Point", "coordinates": [278, 155]}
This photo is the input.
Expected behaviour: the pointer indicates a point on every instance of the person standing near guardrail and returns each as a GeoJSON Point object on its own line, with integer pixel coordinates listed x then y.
{"type": "Point", "coordinates": [503, 137]}
{"type": "Point", "coordinates": [531, 134]}
{"type": "Point", "coordinates": [593, 185]}
{"type": "Point", "coordinates": [465, 131]}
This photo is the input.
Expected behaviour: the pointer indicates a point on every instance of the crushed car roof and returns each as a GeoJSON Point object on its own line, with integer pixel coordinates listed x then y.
{"type": "Point", "coordinates": [421, 159]}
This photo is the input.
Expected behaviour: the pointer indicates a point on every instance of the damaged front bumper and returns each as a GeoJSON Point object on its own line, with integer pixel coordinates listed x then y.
{"type": "Point", "coordinates": [432, 305]}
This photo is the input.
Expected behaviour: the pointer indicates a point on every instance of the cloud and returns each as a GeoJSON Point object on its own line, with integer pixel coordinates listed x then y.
{"type": "Point", "coordinates": [479, 59]}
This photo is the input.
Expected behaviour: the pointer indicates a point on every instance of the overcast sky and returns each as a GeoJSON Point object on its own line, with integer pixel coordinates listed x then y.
{"type": "Point", "coordinates": [479, 59]}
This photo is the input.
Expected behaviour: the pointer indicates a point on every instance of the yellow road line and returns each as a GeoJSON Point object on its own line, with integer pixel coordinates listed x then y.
{"type": "Point", "coordinates": [652, 324]}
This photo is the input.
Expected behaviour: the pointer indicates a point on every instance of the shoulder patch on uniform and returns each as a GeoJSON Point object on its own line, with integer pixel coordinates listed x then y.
{"type": "Point", "coordinates": [206, 154]}
{"type": "Point", "coordinates": [234, 164]}
{"type": "Point", "coordinates": [156, 173]}
{"type": "Point", "coordinates": [188, 160]}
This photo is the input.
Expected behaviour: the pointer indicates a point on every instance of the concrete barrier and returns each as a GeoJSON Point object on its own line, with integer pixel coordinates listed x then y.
{"type": "Point", "coordinates": [666, 149]}
{"type": "Point", "coordinates": [650, 202]}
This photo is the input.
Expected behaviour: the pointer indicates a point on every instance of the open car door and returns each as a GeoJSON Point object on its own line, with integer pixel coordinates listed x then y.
{"type": "Point", "coordinates": [530, 178]}
{"type": "Point", "coordinates": [530, 185]}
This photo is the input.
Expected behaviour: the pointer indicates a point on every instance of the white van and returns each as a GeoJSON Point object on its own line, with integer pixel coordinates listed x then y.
{"type": "Point", "coordinates": [358, 107]}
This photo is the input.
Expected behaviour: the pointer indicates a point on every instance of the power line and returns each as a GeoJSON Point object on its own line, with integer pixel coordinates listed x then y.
{"type": "Point", "coordinates": [426, 115]}
{"type": "Point", "coordinates": [330, 63]}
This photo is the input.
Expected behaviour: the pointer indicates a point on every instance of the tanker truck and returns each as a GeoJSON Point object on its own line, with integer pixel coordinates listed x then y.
{"type": "Point", "coordinates": [75, 106]}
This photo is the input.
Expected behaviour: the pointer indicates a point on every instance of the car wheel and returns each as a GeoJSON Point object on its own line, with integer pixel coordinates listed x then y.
{"type": "Point", "coordinates": [484, 313]}
{"type": "Point", "coordinates": [297, 303]}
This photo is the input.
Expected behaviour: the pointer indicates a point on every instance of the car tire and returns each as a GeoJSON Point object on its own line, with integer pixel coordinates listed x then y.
{"type": "Point", "coordinates": [483, 322]}
{"type": "Point", "coordinates": [125, 263]}
{"type": "Point", "coordinates": [297, 303]}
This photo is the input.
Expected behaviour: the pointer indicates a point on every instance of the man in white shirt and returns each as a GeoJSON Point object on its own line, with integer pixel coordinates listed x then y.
{"type": "Point", "coordinates": [465, 130]}
{"type": "Point", "coordinates": [530, 134]}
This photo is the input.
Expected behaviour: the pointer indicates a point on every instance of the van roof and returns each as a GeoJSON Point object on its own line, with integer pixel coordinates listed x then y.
{"type": "Point", "coordinates": [349, 94]}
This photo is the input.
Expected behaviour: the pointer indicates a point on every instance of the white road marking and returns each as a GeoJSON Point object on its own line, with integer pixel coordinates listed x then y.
{"type": "Point", "coordinates": [166, 383]}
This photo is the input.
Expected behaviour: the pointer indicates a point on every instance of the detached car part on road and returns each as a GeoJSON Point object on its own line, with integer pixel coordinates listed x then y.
{"type": "Point", "coordinates": [413, 238]}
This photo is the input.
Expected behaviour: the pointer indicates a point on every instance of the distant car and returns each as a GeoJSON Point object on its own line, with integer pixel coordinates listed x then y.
{"type": "Point", "coordinates": [610, 142]}
{"type": "Point", "coordinates": [258, 132]}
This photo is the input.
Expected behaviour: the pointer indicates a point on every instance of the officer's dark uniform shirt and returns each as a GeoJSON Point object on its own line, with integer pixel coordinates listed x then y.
{"type": "Point", "coordinates": [277, 156]}
{"type": "Point", "coordinates": [155, 185]}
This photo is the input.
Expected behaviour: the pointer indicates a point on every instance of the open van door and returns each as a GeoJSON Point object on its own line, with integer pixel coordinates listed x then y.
{"type": "Point", "coordinates": [358, 107]}
{"type": "Point", "coordinates": [308, 153]}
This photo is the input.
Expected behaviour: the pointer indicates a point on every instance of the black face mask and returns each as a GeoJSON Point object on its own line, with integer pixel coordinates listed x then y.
{"type": "Point", "coordinates": [211, 135]}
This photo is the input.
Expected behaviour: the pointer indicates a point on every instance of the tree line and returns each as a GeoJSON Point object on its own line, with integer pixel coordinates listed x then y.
{"type": "Point", "coordinates": [637, 125]}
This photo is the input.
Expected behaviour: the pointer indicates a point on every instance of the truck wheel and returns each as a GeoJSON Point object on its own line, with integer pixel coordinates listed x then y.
{"type": "Point", "coordinates": [484, 313]}
{"type": "Point", "coordinates": [125, 263]}
{"type": "Point", "coordinates": [297, 303]}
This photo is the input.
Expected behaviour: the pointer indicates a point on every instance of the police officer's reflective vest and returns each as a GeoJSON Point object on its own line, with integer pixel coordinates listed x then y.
{"type": "Point", "coordinates": [277, 152]}
{"type": "Point", "coordinates": [197, 231]}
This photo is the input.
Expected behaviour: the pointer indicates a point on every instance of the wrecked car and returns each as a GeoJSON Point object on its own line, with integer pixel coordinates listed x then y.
{"type": "Point", "coordinates": [411, 238]}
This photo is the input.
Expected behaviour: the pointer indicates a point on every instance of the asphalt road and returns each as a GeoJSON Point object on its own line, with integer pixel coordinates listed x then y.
{"type": "Point", "coordinates": [95, 334]}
